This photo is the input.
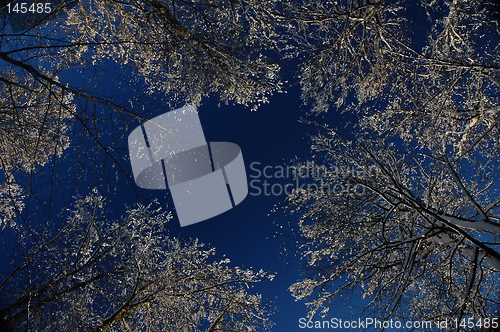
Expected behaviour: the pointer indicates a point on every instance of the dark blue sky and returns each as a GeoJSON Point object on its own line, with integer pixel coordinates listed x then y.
{"type": "Point", "coordinates": [271, 136]}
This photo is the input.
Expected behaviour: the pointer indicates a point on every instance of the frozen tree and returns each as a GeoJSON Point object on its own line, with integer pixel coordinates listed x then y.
{"type": "Point", "coordinates": [63, 62]}
{"type": "Point", "coordinates": [185, 49]}
{"type": "Point", "coordinates": [34, 119]}
{"type": "Point", "coordinates": [445, 96]}
{"type": "Point", "coordinates": [346, 47]}
{"type": "Point", "coordinates": [408, 209]}
{"type": "Point", "coordinates": [97, 274]}
{"type": "Point", "coordinates": [11, 202]}
{"type": "Point", "coordinates": [407, 66]}
{"type": "Point", "coordinates": [419, 234]}
{"type": "Point", "coordinates": [93, 273]}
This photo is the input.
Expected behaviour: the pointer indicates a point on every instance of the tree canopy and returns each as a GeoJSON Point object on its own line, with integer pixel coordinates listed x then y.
{"type": "Point", "coordinates": [96, 274]}
{"type": "Point", "coordinates": [416, 223]}
{"type": "Point", "coordinates": [420, 234]}
{"type": "Point", "coordinates": [62, 124]}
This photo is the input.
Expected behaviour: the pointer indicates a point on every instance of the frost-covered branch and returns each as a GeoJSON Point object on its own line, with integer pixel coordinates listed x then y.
{"type": "Point", "coordinates": [98, 274]}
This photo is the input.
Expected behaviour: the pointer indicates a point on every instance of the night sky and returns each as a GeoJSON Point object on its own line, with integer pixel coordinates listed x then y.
{"type": "Point", "coordinates": [272, 137]}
